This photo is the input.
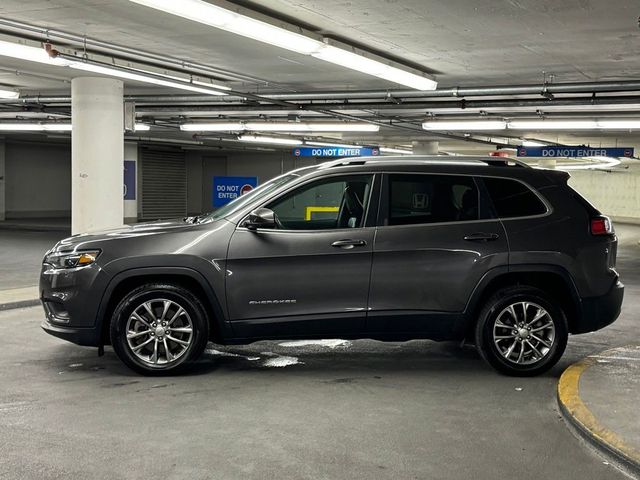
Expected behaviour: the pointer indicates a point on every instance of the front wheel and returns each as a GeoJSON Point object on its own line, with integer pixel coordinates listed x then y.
{"type": "Point", "coordinates": [159, 329]}
{"type": "Point", "coordinates": [521, 331]}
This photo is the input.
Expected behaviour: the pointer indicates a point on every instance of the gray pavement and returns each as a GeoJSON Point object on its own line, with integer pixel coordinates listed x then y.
{"type": "Point", "coordinates": [610, 389]}
{"type": "Point", "coordinates": [21, 253]}
{"type": "Point", "coordinates": [359, 410]}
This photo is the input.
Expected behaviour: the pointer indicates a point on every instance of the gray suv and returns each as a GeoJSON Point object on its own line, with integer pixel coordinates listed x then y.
{"type": "Point", "coordinates": [483, 249]}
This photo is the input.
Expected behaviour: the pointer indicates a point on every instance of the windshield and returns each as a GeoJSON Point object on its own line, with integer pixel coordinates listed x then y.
{"type": "Point", "coordinates": [253, 196]}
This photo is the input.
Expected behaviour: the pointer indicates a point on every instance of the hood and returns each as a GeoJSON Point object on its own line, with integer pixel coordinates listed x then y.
{"type": "Point", "coordinates": [86, 240]}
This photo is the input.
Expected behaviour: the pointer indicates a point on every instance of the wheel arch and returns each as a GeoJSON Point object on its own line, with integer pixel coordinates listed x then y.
{"type": "Point", "coordinates": [554, 280]}
{"type": "Point", "coordinates": [188, 278]}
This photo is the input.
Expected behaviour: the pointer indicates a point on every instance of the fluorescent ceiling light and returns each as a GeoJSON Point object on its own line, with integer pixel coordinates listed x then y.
{"type": "Point", "coordinates": [279, 127]}
{"type": "Point", "coordinates": [218, 17]}
{"type": "Point", "coordinates": [179, 79]}
{"type": "Point", "coordinates": [29, 53]}
{"type": "Point", "coordinates": [375, 68]}
{"type": "Point", "coordinates": [553, 124]}
{"type": "Point", "coordinates": [138, 77]}
{"type": "Point", "coordinates": [578, 124]}
{"type": "Point", "coordinates": [52, 127]}
{"type": "Point", "coordinates": [604, 163]}
{"type": "Point", "coordinates": [327, 144]}
{"type": "Point", "coordinates": [274, 140]}
{"type": "Point", "coordinates": [285, 37]}
{"type": "Point", "coordinates": [35, 127]}
{"type": "Point", "coordinates": [395, 150]}
{"type": "Point", "coordinates": [9, 93]}
{"type": "Point", "coordinates": [619, 124]}
{"type": "Point", "coordinates": [532, 143]}
{"type": "Point", "coordinates": [467, 125]}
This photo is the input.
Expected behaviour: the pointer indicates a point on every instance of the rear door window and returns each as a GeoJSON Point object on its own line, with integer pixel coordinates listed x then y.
{"type": "Point", "coordinates": [419, 199]}
{"type": "Point", "coordinates": [512, 198]}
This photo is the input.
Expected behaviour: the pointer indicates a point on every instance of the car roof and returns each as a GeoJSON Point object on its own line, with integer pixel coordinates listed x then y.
{"type": "Point", "coordinates": [445, 164]}
{"type": "Point", "coordinates": [414, 161]}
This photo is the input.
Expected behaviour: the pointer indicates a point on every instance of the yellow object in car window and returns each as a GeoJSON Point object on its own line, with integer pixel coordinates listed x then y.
{"type": "Point", "coordinates": [311, 210]}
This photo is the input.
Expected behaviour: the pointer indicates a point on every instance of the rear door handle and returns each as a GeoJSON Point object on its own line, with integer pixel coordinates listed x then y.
{"type": "Point", "coordinates": [481, 237]}
{"type": "Point", "coordinates": [347, 244]}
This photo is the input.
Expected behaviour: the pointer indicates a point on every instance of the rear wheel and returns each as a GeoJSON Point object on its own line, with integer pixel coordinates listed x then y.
{"type": "Point", "coordinates": [159, 329]}
{"type": "Point", "coordinates": [521, 331]}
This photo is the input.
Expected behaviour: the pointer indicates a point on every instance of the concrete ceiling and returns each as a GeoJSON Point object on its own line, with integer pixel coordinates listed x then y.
{"type": "Point", "coordinates": [479, 42]}
{"type": "Point", "coordinates": [463, 42]}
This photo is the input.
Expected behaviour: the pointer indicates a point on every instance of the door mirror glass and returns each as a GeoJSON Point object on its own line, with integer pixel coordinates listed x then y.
{"type": "Point", "coordinates": [260, 218]}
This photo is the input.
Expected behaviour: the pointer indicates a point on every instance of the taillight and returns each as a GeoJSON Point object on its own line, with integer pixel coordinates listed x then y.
{"type": "Point", "coordinates": [601, 226]}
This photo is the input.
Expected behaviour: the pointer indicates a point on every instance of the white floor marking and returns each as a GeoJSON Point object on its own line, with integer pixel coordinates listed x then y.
{"type": "Point", "coordinates": [333, 343]}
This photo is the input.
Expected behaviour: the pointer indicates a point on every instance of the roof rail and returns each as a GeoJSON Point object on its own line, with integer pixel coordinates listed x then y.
{"type": "Point", "coordinates": [425, 160]}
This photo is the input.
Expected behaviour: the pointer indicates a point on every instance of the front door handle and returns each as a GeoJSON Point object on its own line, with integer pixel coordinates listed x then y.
{"type": "Point", "coordinates": [347, 244]}
{"type": "Point", "coordinates": [481, 237]}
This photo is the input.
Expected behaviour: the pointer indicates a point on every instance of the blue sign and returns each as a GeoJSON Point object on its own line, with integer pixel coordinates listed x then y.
{"type": "Point", "coordinates": [227, 189]}
{"type": "Point", "coordinates": [129, 180]}
{"type": "Point", "coordinates": [336, 152]}
{"type": "Point", "coordinates": [574, 152]}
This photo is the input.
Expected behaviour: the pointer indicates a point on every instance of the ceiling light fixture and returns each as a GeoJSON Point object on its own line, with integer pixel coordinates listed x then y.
{"type": "Point", "coordinates": [465, 125]}
{"type": "Point", "coordinates": [395, 150]}
{"type": "Point", "coordinates": [552, 124]}
{"type": "Point", "coordinates": [272, 140]}
{"type": "Point", "coordinates": [290, 38]}
{"type": "Point", "coordinates": [279, 127]}
{"type": "Point", "coordinates": [577, 124]}
{"type": "Point", "coordinates": [9, 93]}
{"type": "Point", "coordinates": [52, 127]}
{"type": "Point", "coordinates": [532, 143]}
{"type": "Point", "coordinates": [327, 144]}
{"type": "Point", "coordinates": [146, 77]}
{"type": "Point", "coordinates": [40, 55]}
{"type": "Point", "coordinates": [35, 127]}
{"type": "Point", "coordinates": [27, 52]}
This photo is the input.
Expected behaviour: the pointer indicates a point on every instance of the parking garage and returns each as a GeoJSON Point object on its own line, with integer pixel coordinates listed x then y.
{"type": "Point", "coordinates": [233, 211]}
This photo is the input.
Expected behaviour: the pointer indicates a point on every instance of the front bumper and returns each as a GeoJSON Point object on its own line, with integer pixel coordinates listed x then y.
{"type": "Point", "coordinates": [598, 312]}
{"type": "Point", "coordinates": [82, 336]}
{"type": "Point", "coordinates": [70, 299]}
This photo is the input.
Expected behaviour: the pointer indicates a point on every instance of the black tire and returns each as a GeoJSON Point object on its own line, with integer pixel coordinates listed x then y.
{"type": "Point", "coordinates": [194, 318]}
{"type": "Point", "coordinates": [494, 351]}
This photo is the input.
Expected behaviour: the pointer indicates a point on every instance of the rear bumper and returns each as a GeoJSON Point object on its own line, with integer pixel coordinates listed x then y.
{"type": "Point", "coordinates": [598, 312]}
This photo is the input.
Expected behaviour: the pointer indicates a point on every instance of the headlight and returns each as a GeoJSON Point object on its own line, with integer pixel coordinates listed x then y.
{"type": "Point", "coordinates": [72, 260]}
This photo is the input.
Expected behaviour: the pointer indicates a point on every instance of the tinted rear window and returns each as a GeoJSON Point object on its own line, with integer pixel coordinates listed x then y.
{"type": "Point", "coordinates": [416, 199]}
{"type": "Point", "coordinates": [513, 199]}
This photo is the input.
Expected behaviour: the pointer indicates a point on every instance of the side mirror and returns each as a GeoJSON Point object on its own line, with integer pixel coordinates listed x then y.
{"type": "Point", "coordinates": [260, 218]}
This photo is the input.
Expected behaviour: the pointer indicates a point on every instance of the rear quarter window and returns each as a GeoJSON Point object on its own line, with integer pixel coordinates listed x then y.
{"type": "Point", "coordinates": [512, 198]}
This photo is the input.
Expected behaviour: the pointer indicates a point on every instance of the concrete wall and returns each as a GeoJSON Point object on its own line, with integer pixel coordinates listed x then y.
{"type": "Point", "coordinates": [37, 180]}
{"type": "Point", "coordinates": [616, 193]}
{"type": "Point", "coordinates": [203, 165]}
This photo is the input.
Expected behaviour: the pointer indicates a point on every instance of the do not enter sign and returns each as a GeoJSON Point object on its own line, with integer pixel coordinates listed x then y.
{"type": "Point", "coordinates": [227, 189]}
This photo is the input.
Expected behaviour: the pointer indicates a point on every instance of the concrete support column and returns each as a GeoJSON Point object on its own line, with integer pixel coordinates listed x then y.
{"type": "Point", "coordinates": [97, 151]}
{"type": "Point", "coordinates": [3, 181]}
{"type": "Point", "coordinates": [549, 163]}
{"type": "Point", "coordinates": [425, 148]}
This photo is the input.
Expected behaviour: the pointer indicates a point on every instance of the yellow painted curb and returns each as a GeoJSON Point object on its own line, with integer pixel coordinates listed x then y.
{"type": "Point", "coordinates": [577, 412]}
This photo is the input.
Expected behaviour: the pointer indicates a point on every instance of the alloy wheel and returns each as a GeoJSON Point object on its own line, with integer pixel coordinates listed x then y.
{"type": "Point", "coordinates": [524, 333]}
{"type": "Point", "coordinates": [159, 332]}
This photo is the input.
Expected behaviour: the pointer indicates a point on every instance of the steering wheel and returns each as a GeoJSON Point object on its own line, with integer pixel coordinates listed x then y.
{"type": "Point", "coordinates": [277, 221]}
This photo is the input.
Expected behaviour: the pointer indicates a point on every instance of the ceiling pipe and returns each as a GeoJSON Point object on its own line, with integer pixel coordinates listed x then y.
{"type": "Point", "coordinates": [13, 27]}
{"type": "Point", "coordinates": [584, 87]}
{"type": "Point", "coordinates": [232, 100]}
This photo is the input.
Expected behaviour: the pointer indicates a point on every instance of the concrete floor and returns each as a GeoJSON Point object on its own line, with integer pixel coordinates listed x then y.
{"type": "Point", "coordinates": [21, 255]}
{"type": "Point", "coordinates": [366, 410]}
